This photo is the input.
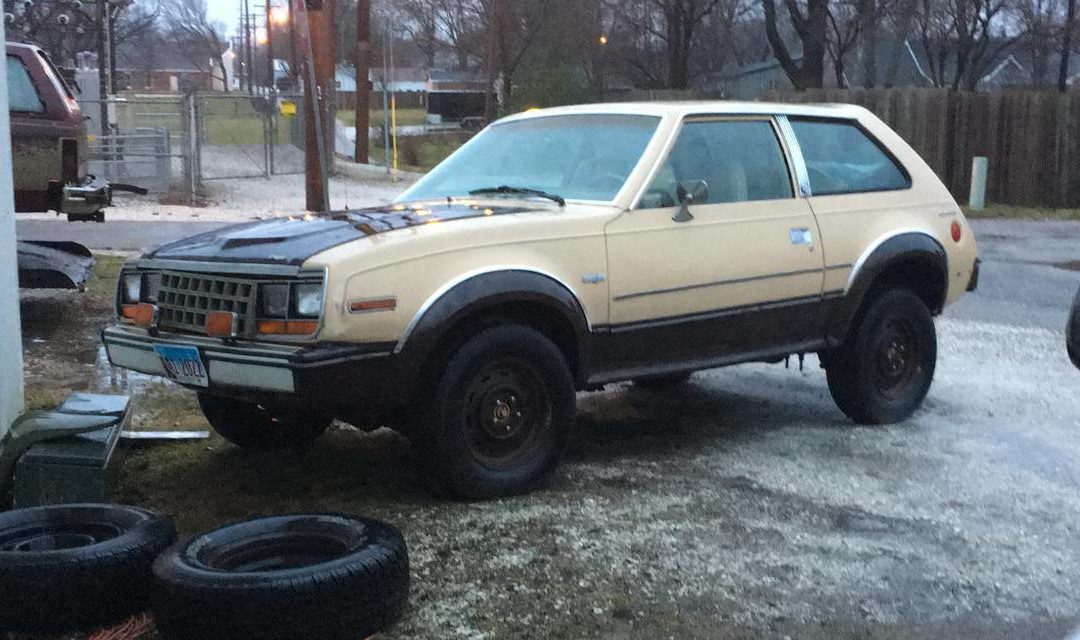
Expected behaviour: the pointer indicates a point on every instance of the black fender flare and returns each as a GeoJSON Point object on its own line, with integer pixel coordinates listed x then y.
{"type": "Point", "coordinates": [913, 248]}
{"type": "Point", "coordinates": [486, 290]}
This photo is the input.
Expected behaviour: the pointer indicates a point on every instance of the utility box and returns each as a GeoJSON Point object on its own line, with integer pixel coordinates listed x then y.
{"type": "Point", "coordinates": [63, 455]}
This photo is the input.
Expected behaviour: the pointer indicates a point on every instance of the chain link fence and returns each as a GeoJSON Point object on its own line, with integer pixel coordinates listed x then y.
{"type": "Point", "coordinates": [171, 144]}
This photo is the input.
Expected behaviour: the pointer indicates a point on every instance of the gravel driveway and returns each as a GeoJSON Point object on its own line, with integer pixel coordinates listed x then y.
{"type": "Point", "coordinates": [743, 505]}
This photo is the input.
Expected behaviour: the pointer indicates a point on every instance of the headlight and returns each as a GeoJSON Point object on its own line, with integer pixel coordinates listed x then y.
{"type": "Point", "coordinates": [309, 299]}
{"type": "Point", "coordinates": [151, 286]}
{"type": "Point", "coordinates": [274, 301]}
{"type": "Point", "coordinates": [130, 288]}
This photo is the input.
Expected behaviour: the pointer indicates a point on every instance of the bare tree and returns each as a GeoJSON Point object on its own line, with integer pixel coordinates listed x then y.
{"type": "Point", "coordinates": [812, 31]}
{"type": "Point", "coordinates": [1066, 46]}
{"type": "Point", "coordinates": [460, 24]}
{"type": "Point", "coordinates": [962, 39]}
{"type": "Point", "coordinates": [201, 40]}
{"type": "Point", "coordinates": [1041, 22]}
{"type": "Point", "coordinates": [423, 27]}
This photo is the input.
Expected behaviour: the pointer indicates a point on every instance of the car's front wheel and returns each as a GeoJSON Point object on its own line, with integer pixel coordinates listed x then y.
{"type": "Point", "coordinates": [263, 427]}
{"type": "Point", "coordinates": [883, 371]}
{"type": "Point", "coordinates": [499, 416]}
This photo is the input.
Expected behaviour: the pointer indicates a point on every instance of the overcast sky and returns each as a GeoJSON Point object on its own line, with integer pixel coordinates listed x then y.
{"type": "Point", "coordinates": [227, 12]}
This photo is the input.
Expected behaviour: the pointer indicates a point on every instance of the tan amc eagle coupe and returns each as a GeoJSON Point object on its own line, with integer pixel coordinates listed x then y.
{"type": "Point", "coordinates": [557, 251]}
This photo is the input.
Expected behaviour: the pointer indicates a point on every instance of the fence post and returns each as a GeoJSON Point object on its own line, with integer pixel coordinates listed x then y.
{"type": "Point", "coordinates": [977, 197]}
{"type": "Point", "coordinates": [189, 140]}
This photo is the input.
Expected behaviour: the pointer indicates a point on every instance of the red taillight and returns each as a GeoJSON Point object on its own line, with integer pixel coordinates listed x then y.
{"type": "Point", "coordinates": [957, 231]}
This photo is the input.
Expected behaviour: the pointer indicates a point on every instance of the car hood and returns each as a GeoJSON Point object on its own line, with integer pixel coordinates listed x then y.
{"type": "Point", "coordinates": [292, 240]}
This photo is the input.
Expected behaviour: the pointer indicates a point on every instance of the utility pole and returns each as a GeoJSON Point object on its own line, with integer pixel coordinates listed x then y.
{"type": "Point", "coordinates": [270, 49]}
{"type": "Point", "coordinates": [494, 25]}
{"type": "Point", "coordinates": [249, 63]}
{"type": "Point", "coordinates": [314, 18]}
{"type": "Point", "coordinates": [104, 64]}
{"type": "Point", "coordinates": [11, 367]}
{"type": "Point", "coordinates": [363, 71]}
{"type": "Point", "coordinates": [294, 61]}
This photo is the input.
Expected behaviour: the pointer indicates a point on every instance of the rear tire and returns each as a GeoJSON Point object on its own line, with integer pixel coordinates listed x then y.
{"type": "Point", "coordinates": [661, 382]}
{"type": "Point", "coordinates": [883, 371]}
{"type": "Point", "coordinates": [500, 415]}
{"type": "Point", "coordinates": [263, 427]}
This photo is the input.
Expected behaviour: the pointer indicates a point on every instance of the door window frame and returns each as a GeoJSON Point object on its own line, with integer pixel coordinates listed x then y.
{"type": "Point", "coordinates": [788, 150]}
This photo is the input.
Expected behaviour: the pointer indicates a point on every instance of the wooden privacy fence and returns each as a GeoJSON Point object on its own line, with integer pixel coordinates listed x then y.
{"type": "Point", "coordinates": [1030, 138]}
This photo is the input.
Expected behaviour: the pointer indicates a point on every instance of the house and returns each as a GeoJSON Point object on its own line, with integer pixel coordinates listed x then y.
{"type": "Point", "coordinates": [167, 69]}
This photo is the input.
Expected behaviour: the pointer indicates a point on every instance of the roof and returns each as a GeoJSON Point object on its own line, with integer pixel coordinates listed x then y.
{"type": "Point", "coordinates": [700, 107]}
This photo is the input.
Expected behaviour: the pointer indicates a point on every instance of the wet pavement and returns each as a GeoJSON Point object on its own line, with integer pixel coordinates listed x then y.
{"type": "Point", "coordinates": [740, 505]}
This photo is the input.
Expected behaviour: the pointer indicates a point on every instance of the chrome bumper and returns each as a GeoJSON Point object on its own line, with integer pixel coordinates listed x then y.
{"type": "Point", "coordinates": [86, 201]}
{"type": "Point", "coordinates": [257, 367]}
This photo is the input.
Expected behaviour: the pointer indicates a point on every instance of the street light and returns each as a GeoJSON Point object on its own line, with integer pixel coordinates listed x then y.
{"type": "Point", "coordinates": [603, 40]}
{"type": "Point", "coordinates": [279, 15]}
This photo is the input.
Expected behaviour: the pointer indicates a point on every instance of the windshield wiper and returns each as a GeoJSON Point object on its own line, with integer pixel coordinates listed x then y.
{"type": "Point", "coordinates": [519, 191]}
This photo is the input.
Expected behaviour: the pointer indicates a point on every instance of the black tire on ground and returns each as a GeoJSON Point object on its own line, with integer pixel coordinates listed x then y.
{"type": "Point", "coordinates": [263, 427]}
{"type": "Point", "coordinates": [499, 417]}
{"type": "Point", "coordinates": [661, 382]}
{"type": "Point", "coordinates": [77, 567]}
{"type": "Point", "coordinates": [325, 576]}
{"type": "Point", "coordinates": [884, 370]}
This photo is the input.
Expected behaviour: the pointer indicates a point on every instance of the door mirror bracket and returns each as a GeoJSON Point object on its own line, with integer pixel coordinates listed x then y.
{"type": "Point", "coordinates": [690, 192]}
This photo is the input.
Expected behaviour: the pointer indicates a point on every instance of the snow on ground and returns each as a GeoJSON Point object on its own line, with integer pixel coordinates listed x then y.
{"type": "Point", "coordinates": [241, 200]}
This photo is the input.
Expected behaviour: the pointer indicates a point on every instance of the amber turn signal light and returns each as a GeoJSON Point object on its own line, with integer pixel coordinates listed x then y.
{"type": "Point", "coordinates": [141, 315]}
{"type": "Point", "coordinates": [288, 327]}
{"type": "Point", "coordinates": [221, 324]}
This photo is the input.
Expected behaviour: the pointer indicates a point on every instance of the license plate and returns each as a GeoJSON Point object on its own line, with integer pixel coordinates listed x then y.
{"type": "Point", "coordinates": [183, 364]}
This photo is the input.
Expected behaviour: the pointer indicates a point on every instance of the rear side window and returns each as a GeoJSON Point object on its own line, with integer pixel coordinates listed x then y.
{"type": "Point", "coordinates": [841, 158]}
{"type": "Point", "coordinates": [22, 96]}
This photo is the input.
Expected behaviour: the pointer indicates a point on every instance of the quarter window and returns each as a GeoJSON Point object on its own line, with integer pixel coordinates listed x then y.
{"type": "Point", "coordinates": [739, 160]}
{"type": "Point", "coordinates": [841, 158]}
{"type": "Point", "coordinates": [22, 96]}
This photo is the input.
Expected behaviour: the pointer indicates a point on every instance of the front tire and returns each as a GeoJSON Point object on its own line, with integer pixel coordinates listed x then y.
{"type": "Point", "coordinates": [500, 415]}
{"type": "Point", "coordinates": [884, 370]}
{"type": "Point", "coordinates": [263, 427]}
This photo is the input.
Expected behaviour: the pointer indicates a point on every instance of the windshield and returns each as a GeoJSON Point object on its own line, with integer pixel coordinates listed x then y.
{"type": "Point", "coordinates": [577, 157]}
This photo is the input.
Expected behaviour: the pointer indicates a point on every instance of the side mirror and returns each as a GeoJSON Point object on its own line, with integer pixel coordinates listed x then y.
{"type": "Point", "coordinates": [690, 192]}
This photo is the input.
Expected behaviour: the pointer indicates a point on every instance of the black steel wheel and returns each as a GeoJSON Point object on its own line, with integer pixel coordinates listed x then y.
{"type": "Point", "coordinates": [263, 427]}
{"type": "Point", "coordinates": [883, 371]}
{"type": "Point", "coordinates": [77, 567]}
{"type": "Point", "coordinates": [329, 576]}
{"type": "Point", "coordinates": [499, 416]}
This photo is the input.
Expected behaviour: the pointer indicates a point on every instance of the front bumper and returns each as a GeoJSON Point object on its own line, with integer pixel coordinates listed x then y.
{"type": "Point", "coordinates": [312, 373]}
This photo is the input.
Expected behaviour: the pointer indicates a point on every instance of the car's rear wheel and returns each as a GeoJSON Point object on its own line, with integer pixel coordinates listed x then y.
{"type": "Point", "coordinates": [884, 370]}
{"type": "Point", "coordinates": [661, 382]}
{"type": "Point", "coordinates": [263, 427]}
{"type": "Point", "coordinates": [499, 416]}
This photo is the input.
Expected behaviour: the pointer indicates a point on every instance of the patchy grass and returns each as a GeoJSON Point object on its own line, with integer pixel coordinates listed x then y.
{"type": "Point", "coordinates": [1002, 211]}
{"type": "Point", "coordinates": [420, 154]}
{"type": "Point", "coordinates": [405, 117]}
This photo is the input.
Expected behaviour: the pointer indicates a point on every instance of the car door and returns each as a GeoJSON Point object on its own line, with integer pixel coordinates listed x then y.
{"type": "Point", "coordinates": [743, 275]}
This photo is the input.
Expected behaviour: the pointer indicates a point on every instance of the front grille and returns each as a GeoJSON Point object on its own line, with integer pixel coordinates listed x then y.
{"type": "Point", "coordinates": [185, 299]}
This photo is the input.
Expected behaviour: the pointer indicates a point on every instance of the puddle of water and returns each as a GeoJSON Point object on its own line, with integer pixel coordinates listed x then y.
{"type": "Point", "coordinates": [110, 379]}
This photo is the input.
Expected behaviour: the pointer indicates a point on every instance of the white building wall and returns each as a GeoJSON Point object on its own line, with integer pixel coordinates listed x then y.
{"type": "Point", "coordinates": [11, 373]}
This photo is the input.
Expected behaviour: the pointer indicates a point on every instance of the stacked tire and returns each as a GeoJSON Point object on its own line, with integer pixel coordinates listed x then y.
{"type": "Point", "coordinates": [84, 567]}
